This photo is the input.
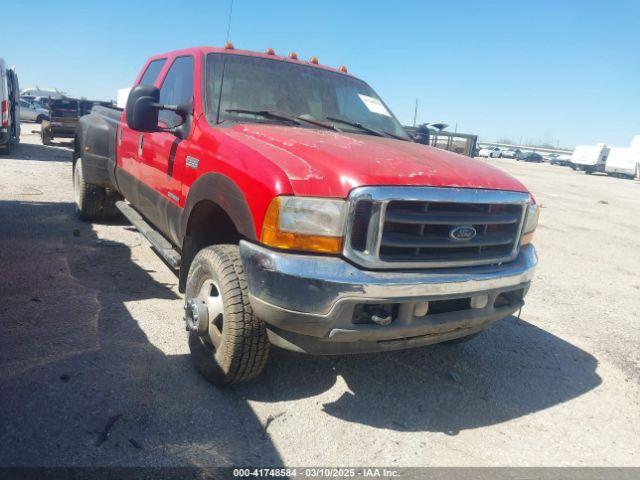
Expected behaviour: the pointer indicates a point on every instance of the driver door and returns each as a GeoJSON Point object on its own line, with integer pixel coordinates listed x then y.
{"type": "Point", "coordinates": [162, 155]}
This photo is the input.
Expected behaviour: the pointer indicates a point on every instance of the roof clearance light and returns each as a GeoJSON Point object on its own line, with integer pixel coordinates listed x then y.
{"type": "Point", "coordinates": [293, 56]}
{"type": "Point", "coordinates": [314, 60]}
{"type": "Point", "coordinates": [270, 51]}
{"type": "Point", "coordinates": [343, 69]}
{"type": "Point", "coordinates": [228, 46]}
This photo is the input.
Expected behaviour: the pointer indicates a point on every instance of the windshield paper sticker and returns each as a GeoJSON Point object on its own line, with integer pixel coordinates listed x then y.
{"type": "Point", "coordinates": [374, 105]}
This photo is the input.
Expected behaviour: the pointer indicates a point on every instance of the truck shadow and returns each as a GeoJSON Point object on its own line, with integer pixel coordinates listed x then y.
{"type": "Point", "coordinates": [81, 382]}
{"type": "Point", "coordinates": [42, 153]}
{"type": "Point", "coordinates": [511, 370]}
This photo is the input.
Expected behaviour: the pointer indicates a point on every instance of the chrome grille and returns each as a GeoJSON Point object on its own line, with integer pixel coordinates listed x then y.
{"type": "Point", "coordinates": [412, 227]}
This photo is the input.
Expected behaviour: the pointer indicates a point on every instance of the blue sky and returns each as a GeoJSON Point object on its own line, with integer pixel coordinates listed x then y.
{"type": "Point", "coordinates": [555, 71]}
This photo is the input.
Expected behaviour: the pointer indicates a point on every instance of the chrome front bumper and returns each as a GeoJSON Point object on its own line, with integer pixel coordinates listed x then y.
{"type": "Point", "coordinates": [308, 301]}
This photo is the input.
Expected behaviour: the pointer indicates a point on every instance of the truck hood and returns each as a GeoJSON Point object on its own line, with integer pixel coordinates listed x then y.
{"type": "Point", "coordinates": [326, 163]}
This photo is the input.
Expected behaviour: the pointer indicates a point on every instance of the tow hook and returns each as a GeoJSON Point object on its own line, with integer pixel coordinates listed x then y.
{"type": "Point", "coordinates": [196, 316]}
{"type": "Point", "coordinates": [379, 315]}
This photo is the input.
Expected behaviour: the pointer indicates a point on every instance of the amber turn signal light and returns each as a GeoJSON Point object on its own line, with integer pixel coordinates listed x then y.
{"type": "Point", "coordinates": [527, 238]}
{"type": "Point", "coordinates": [273, 236]}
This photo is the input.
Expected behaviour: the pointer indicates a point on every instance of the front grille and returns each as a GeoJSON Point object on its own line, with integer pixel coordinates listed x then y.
{"type": "Point", "coordinates": [389, 231]}
{"type": "Point", "coordinates": [420, 231]}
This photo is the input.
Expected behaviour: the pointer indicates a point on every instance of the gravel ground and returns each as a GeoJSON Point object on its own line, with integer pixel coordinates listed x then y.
{"type": "Point", "coordinates": [94, 366]}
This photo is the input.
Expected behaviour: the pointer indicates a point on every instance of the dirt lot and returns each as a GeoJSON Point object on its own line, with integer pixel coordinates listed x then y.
{"type": "Point", "coordinates": [94, 366]}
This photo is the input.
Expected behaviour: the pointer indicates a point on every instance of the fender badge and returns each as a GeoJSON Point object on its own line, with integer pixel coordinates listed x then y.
{"type": "Point", "coordinates": [192, 162]}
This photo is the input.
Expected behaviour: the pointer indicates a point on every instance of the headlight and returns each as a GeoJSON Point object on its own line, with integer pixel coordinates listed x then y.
{"type": "Point", "coordinates": [305, 223]}
{"type": "Point", "coordinates": [530, 223]}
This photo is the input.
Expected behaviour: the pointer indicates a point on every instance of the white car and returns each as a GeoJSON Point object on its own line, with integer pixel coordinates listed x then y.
{"type": "Point", "coordinates": [32, 113]}
{"type": "Point", "coordinates": [490, 152]}
{"type": "Point", "coordinates": [511, 153]}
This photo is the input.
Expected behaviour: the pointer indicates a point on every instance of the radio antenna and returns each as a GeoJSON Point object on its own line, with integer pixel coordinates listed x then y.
{"type": "Point", "coordinates": [229, 21]}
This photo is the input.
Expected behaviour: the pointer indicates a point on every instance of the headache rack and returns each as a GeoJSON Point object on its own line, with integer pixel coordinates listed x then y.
{"type": "Point", "coordinates": [420, 227]}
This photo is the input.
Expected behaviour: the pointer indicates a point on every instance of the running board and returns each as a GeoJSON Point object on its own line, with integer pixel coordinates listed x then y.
{"type": "Point", "coordinates": [160, 244]}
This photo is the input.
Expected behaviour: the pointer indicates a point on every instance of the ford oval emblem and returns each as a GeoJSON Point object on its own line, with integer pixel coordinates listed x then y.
{"type": "Point", "coordinates": [465, 232]}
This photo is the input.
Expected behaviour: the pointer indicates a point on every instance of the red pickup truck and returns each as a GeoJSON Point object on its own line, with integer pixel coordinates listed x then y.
{"type": "Point", "coordinates": [298, 213]}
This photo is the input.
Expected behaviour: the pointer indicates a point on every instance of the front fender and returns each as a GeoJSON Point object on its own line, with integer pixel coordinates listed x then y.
{"type": "Point", "coordinates": [222, 191]}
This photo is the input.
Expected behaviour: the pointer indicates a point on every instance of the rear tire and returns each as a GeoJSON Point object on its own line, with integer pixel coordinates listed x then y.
{"type": "Point", "coordinates": [41, 118]}
{"type": "Point", "coordinates": [235, 347]}
{"type": "Point", "coordinates": [45, 135]}
{"type": "Point", "coordinates": [93, 202]}
{"type": "Point", "coordinates": [5, 149]}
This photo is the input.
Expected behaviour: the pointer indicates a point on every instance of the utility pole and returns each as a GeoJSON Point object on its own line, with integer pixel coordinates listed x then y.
{"type": "Point", "coordinates": [415, 113]}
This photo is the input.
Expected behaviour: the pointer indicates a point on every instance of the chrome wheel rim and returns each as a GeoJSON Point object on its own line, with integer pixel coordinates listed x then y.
{"type": "Point", "coordinates": [211, 295]}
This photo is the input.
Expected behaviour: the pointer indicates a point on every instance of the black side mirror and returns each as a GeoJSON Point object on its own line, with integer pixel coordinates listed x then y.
{"type": "Point", "coordinates": [143, 107]}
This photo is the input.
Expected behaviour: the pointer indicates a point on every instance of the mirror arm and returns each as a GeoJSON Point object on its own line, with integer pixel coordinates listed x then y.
{"type": "Point", "coordinates": [180, 110]}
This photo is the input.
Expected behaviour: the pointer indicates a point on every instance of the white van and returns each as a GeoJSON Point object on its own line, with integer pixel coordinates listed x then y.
{"type": "Point", "coordinates": [622, 162]}
{"type": "Point", "coordinates": [9, 108]}
{"type": "Point", "coordinates": [589, 158]}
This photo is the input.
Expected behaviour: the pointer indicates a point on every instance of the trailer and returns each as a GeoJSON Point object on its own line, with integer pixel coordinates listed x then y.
{"type": "Point", "coordinates": [462, 143]}
{"type": "Point", "coordinates": [622, 162]}
{"type": "Point", "coordinates": [589, 158]}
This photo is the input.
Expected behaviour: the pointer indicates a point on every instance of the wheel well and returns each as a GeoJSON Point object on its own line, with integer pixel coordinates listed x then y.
{"type": "Point", "coordinates": [208, 224]}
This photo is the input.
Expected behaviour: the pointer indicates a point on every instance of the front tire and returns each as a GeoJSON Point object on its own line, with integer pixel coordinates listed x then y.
{"type": "Point", "coordinates": [233, 346]}
{"type": "Point", "coordinates": [93, 202]}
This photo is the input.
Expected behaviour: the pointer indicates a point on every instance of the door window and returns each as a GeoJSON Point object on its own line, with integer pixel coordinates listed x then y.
{"type": "Point", "coordinates": [177, 88]}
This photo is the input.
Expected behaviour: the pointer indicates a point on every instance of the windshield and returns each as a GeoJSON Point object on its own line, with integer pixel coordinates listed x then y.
{"type": "Point", "coordinates": [259, 84]}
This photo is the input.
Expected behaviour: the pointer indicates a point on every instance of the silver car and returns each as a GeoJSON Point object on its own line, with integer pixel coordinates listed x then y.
{"type": "Point", "coordinates": [32, 113]}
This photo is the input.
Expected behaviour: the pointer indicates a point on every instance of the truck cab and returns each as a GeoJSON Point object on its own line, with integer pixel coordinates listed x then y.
{"type": "Point", "coordinates": [298, 213]}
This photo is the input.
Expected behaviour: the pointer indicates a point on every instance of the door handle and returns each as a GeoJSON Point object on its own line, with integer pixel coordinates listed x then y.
{"type": "Point", "coordinates": [140, 145]}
